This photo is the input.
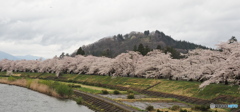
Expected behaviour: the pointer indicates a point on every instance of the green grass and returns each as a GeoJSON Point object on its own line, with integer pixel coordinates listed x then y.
{"type": "Point", "coordinates": [11, 78]}
{"type": "Point", "coordinates": [188, 88]}
{"type": "Point", "coordinates": [89, 90]}
{"type": "Point", "coordinates": [3, 73]}
{"type": "Point", "coordinates": [27, 74]}
{"type": "Point", "coordinates": [60, 88]}
{"type": "Point", "coordinates": [123, 81]}
{"type": "Point", "coordinates": [215, 90]}
{"type": "Point", "coordinates": [69, 76]}
{"type": "Point", "coordinates": [45, 75]}
{"type": "Point", "coordinates": [185, 88]}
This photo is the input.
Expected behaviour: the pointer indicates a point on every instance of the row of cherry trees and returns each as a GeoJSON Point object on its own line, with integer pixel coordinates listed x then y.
{"type": "Point", "coordinates": [207, 66]}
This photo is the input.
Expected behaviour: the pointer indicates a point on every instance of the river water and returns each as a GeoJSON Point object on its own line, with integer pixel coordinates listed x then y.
{"type": "Point", "coordinates": [18, 99]}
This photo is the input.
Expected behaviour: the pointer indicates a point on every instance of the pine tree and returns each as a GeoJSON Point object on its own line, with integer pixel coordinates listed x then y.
{"type": "Point", "coordinates": [146, 50]}
{"type": "Point", "coordinates": [141, 48]}
{"type": "Point", "coordinates": [135, 48]}
{"type": "Point", "coordinates": [146, 32]}
{"type": "Point", "coordinates": [80, 51]}
{"type": "Point", "coordinates": [159, 47]}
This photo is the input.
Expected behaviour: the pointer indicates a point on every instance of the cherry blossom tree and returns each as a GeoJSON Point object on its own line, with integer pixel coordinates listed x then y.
{"type": "Point", "coordinates": [207, 66]}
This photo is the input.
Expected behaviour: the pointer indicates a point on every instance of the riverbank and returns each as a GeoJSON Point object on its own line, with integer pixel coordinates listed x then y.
{"type": "Point", "coordinates": [20, 99]}
{"type": "Point", "coordinates": [92, 101]}
{"type": "Point", "coordinates": [166, 88]}
{"type": "Point", "coordinates": [32, 84]}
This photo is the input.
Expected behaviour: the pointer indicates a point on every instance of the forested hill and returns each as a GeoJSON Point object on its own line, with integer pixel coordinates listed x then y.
{"type": "Point", "coordinates": [138, 41]}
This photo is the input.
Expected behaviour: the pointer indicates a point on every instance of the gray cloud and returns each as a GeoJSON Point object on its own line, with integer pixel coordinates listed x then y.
{"type": "Point", "coordinates": [55, 26]}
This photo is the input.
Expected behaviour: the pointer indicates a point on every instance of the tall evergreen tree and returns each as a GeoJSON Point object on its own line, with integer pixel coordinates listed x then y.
{"type": "Point", "coordinates": [106, 53]}
{"type": "Point", "coordinates": [135, 48]}
{"type": "Point", "coordinates": [141, 48]}
{"type": "Point", "coordinates": [80, 51]}
{"type": "Point", "coordinates": [159, 47]}
{"type": "Point", "coordinates": [146, 50]}
{"type": "Point", "coordinates": [146, 32]}
{"type": "Point", "coordinates": [174, 53]}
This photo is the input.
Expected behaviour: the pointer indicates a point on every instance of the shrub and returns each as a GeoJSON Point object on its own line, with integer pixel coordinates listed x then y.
{"type": "Point", "coordinates": [131, 96]}
{"type": "Point", "coordinates": [105, 92]}
{"type": "Point", "coordinates": [183, 110]}
{"type": "Point", "coordinates": [201, 108]}
{"type": "Point", "coordinates": [149, 108]}
{"type": "Point", "coordinates": [63, 90]}
{"type": "Point", "coordinates": [79, 100]}
{"type": "Point", "coordinates": [175, 107]}
{"type": "Point", "coordinates": [116, 92]}
{"type": "Point", "coordinates": [159, 110]}
{"type": "Point", "coordinates": [130, 91]}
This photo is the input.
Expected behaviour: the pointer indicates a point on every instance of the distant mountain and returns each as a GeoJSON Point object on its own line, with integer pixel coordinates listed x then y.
{"type": "Point", "coordinates": [117, 44]}
{"type": "Point", "coordinates": [28, 57]}
{"type": "Point", "coordinates": [4, 55]}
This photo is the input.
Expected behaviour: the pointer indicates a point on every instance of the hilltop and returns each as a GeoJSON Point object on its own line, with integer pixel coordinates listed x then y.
{"type": "Point", "coordinates": [117, 44]}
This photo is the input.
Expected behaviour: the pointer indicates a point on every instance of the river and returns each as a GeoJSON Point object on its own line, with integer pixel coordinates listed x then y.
{"type": "Point", "coordinates": [18, 99]}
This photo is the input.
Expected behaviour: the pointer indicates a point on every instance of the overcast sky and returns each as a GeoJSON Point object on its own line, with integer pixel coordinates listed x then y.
{"type": "Point", "coordinates": [49, 27]}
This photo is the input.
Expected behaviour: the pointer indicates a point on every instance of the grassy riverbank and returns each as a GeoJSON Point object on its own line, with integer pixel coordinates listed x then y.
{"type": "Point", "coordinates": [52, 88]}
{"type": "Point", "coordinates": [32, 84]}
{"type": "Point", "coordinates": [185, 88]}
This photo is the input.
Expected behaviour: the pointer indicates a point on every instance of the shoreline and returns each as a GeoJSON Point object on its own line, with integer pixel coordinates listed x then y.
{"type": "Point", "coordinates": [32, 85]}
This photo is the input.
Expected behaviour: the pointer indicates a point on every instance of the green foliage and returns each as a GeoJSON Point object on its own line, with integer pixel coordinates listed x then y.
{"type": "Point", "coordinates": [120, 37]}
{"type": "Point", "coordinates": [63, 90]}
{"type": "Point", "coordinates": [105, 92]}
{"type": "Point", "coordinates": [11, 78]}
{"type": "Point", "coordinates": [150, 108]}
{"type": "Point", "coordinates": [131, 96]}
{"type": "Point", "coordinates": [89, 90]}
{"type": "Point", "coordinates": [201, 108]}
{"type": "Point", "coordinates": [106, 53]}
{"type": "Point", "coordinates": [79, 100]}
{"type": "Point", "coordinates": [159, 110]}
{"type": "Point", "coordinates": [159, 47]}
{"type": "Point", "coordinates": [141, 48]}
{"type": "Point", "coordinates": [146, 32]}
{"type": "Point", "coordinates": [146, 50]}
{"type": "Point", "coordinates": [135, 48]}
{"type": "Point", "coordinates": [80, 51]}
{"type": "Point", "coordinates": [175, 107]}
{"type": "Point", "coordinates": [116, 92]}
{"type": "Point", "coordinates": [130, 91]}
{"type": "Point", "coordinates": [174, 53]}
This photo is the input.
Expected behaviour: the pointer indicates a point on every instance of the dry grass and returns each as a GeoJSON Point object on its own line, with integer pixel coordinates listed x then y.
{"type": "Point", "coordinates": [19, 82]}
{"type": "Point", "coordinates": [17, 75]}
{"type": "Point", "coordinates": [33, 85]}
